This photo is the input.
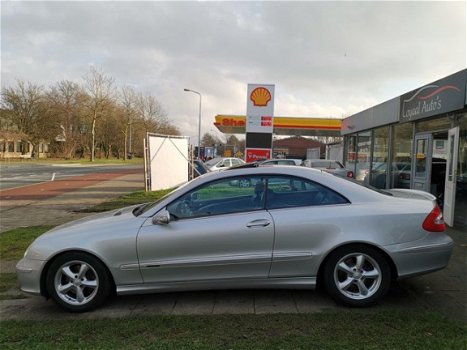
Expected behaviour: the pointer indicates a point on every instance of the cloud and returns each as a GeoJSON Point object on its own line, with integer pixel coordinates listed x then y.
{"type": "Point", "coordinates": [326, 58]}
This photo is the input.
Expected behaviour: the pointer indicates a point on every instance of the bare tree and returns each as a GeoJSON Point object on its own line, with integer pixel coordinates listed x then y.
{"type": "Point", "coordinates": [100, 89]}
{"type": "Point", "coordinates": [66, 99]}
{"type": "Point", "coordinates": [28, 111]}
{"type": "Point", "coordinates": [129, 102]}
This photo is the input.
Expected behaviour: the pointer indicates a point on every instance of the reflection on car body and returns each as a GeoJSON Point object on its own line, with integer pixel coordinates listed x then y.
{"type": "Point", "coordinates": [295, 227]}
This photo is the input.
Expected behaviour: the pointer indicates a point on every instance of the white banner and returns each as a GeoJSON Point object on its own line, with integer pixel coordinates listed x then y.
{"type": "Point", "coordinates": [168, 161]}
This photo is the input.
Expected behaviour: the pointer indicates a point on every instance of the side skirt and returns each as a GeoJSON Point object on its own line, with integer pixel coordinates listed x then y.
{"type": "Point", "coordinates": [264, 283]}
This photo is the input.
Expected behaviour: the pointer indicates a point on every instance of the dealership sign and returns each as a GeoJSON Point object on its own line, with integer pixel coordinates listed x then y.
{"type": "Point", "coordinates": [259, 121]}
{"type": "Point", "coordinates": [442, 96]}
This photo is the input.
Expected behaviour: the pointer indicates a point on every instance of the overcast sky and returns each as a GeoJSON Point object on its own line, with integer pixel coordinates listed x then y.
{"type": "Point", "coordinates": [326, 59]}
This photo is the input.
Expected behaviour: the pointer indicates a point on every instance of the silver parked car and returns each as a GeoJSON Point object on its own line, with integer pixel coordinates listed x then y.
{"type": "Point", "coordinates": [223, 163]}
{"type": "Point", "coordinates": [330, 166]}
{"type": "Point", "coordinates": [296, 227]}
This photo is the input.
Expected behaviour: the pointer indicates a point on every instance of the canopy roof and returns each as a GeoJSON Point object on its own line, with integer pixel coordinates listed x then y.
{"type": "Point", "coordinates": [235, 124]}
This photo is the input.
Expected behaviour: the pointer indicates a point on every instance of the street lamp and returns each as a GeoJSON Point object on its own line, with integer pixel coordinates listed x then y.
{"type": "Point", "coordinates": [199, 121]}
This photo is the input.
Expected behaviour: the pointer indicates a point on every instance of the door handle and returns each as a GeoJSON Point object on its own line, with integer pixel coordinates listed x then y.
{"type": "Point", "coordinates": [258, 223]}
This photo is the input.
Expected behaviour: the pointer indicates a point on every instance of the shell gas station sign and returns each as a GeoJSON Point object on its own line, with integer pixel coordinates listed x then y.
{"type": "Point", "coordinates": [259, 121]}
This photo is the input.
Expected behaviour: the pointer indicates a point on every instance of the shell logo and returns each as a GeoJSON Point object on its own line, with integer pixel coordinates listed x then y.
{"type": "Point", "coordinates": [260, 96]}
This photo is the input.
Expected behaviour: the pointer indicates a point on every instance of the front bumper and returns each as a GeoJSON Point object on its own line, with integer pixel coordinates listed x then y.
{"type": "Point", "coordinates": [29, 275]}
{"type": "Point", "coordinates": [423, 256]}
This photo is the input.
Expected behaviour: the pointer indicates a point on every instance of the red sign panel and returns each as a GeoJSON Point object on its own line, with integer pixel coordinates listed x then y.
{"type": "Point", "coordinates": [255, 154]}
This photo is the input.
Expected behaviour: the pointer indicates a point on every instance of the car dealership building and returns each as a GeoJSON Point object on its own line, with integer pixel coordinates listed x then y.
{"type": "Point", "coordinates": [417, 140]}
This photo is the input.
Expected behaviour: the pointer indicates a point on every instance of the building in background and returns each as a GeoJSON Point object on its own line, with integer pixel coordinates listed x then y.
{"type": "Point", "coordinates": [417, 140]}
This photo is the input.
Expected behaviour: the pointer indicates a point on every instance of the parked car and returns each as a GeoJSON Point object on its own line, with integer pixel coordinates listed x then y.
{"type": "Point", "coordinates": [330, 166]}
{"type": "Point", "coordinates": [222, 163]}
{"type": "Point", "coordinates": [199, 168]}
{"type": "Point", "coordinates": [296, 228]}
{"type": "Point", "coordinates": [281, 161]}
{"type": "Point", "coordinates": [400, 174]}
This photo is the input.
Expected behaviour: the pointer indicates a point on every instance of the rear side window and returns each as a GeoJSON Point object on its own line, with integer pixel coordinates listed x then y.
{"type": "Point", "coordinates": [283, 192]}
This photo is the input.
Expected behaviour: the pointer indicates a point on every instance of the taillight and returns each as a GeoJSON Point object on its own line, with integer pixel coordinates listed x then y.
{"type": "Point", "coordinates": [350, 174]}
{"type": "Point", "coordinates": [434, 222]}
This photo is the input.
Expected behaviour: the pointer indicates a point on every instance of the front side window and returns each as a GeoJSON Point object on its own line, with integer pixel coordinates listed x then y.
{"type": "Point", "coordinates": [285, 192]}
{"type": "Point", "coordinates": [231, 195]}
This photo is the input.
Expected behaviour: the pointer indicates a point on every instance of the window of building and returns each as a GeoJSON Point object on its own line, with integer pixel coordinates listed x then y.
{"type": "Point", "coordinates": [363, 155]}
{"type": "Point", "coordinates": [402, 156]}
{"type": "Point", "coordinates": [433, 125]}
{"type": "Point", "coordinates": [11, 146]}
{"type": "Point", "coordinates": [380, 157]}
{"type": "Point", "coordinates": [460, 216]}
{"type": "Point", "coordinates": [351, 152]}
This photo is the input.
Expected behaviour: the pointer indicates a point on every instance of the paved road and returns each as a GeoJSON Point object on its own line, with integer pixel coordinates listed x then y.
{"type": "Point", "coordinates": [15, 175]}
{"type": "Point", "coordinates": [56, 202]}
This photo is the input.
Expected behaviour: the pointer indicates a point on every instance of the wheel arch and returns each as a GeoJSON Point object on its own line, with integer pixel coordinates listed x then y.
{"type": "Point", "coordinates": [43, 280]}
{"type": "Point", "coordinates": [387, 257]}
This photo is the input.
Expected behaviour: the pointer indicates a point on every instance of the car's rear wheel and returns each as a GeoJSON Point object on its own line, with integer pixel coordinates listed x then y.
{"type": "Point", "coordinates": [78, 282]}
{"type": "Point", "coordinates": [357, 275]}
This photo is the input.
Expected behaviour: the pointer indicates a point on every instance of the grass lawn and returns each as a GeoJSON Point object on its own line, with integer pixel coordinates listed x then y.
{"type": "Point", "coordinates": [127, 200]}
{"type": "Point", "coordinates": [361, 329]}
{"type": "Point", "coordinates": [14, 243]}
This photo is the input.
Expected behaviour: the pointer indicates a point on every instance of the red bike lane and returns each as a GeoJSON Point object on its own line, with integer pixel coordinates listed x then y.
{"type": "Point", "coordinates": [49, 189]}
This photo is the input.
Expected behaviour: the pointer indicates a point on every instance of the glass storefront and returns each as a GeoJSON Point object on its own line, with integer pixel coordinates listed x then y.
{"type": "Point", "coordinates": [401, 156]}
{"type": "Point", "coordinates": [460, 215]}
{"type": "Point", "coordinates": [379, 156]}
{"type": "Point", "coordinates": [362, 166]}
{"type": "Point", "coordinates": [351, 154]}
{"type": "Point", "coordinates": [433, 125]}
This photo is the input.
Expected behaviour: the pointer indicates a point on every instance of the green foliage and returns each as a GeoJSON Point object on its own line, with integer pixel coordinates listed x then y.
{"type": "Point", "coordinates": [13, 243]}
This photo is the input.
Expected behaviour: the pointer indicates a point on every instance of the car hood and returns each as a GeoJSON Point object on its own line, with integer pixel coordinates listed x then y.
{"type": "Point", "coordinates": [412, 194]}
{"type": "Point", "coordinates": [95, 218]}
{"type": "Point", "coordinates": [88, 233]}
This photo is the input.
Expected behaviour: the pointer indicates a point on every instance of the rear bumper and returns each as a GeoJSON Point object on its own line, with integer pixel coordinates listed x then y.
{"type": "Point", "coordinates": [422, 256]}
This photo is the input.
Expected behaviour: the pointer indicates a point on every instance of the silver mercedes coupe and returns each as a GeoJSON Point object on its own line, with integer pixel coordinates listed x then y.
{"type": "Point", "coordinates": [293, 227]}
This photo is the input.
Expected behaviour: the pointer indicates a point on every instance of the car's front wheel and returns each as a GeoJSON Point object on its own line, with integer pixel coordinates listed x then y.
{"type": "Point", "coordinates": [78, 282]}
{"type": "Point", "coordinates": [357, 275]}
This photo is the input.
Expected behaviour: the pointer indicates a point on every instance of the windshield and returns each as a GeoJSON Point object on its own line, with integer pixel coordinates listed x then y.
{"type": "Point", "coordinates": [213, 162]}
{"type": "Point", "coordinates": [147, 206]}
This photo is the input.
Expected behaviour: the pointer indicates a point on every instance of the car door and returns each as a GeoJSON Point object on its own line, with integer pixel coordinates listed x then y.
{"type": "Point", "coordinates": [304, 214]}
{"type": "Point", "coordinates": [217, 231]}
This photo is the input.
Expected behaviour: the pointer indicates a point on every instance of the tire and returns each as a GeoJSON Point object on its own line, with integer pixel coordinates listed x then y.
{"type": "Point", "coordinates": [357, 275]}
{"type": "Point", "coordinates": [78, 282]}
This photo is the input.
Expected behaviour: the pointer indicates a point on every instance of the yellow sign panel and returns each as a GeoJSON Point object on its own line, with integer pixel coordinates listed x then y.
{"type": "Point", "coordinates": [236, 124]}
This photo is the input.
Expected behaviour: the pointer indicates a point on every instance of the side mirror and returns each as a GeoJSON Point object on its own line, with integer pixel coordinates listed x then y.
{"type": "Point", "coordinates": [161, 218]}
